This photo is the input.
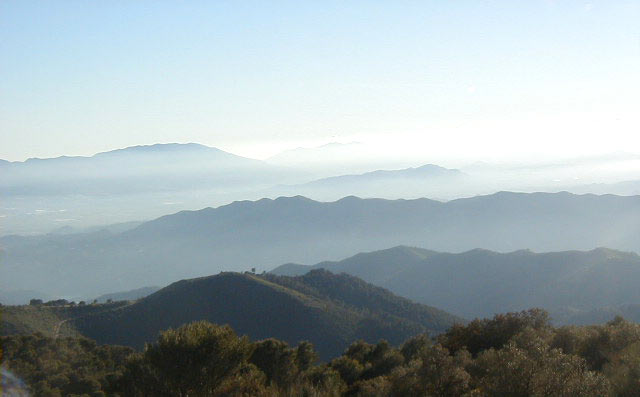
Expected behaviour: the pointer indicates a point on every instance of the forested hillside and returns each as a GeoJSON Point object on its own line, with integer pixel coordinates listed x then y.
{"type": "Point", "coordinates": [328, 310]}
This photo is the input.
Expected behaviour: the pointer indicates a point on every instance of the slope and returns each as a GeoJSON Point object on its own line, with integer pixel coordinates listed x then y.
{"type": "Point", "coordinates": [315, 308]}
{"type": "Point", "coordinates": [480, 283]}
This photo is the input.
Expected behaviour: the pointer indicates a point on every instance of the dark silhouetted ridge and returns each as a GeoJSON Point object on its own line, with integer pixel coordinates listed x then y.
{"type": "Point", "coordinates": [328, 310]}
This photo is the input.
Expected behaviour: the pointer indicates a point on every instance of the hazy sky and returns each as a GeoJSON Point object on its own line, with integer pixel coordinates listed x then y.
{"type": "Point", "coordinates": [461, 78]}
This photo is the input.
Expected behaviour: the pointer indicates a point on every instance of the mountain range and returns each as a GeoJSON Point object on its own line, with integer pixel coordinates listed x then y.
{"type": "Point", "coordinates": [425, 181]}
{"type": "Point", "coordinates": [143, 182]}
{"type": "Point", "coordinates": [575, 286]}
{"type": "Point", "coordinates": [134, 184]}
{"type": "Point", "coordinates": [267, 233]}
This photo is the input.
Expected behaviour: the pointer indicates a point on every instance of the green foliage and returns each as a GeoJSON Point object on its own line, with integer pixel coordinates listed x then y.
{"type": "Point", "coordinates": [414, 347]}
{"type": "Point", "coordinates": [277, 360]}
{"type": "Point", "coordinates": [194, 359]}
{"type": "Point", "coordinates": [623, 371]}
{"type": "Point", "coordinates": [64, 366]}
{"type": "Point", "coordinates": [484, 334]}
{"type": "Point", "coordinates": [528, 366]}
{"type": "Point", "coordinates": [434, 372]}
{"type": "Point", "coordinates": [27, 319]}
{"type": "Point", "coordinates": [520, 355]}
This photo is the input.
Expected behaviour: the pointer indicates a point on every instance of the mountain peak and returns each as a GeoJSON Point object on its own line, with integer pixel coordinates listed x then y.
{"type": "Point", "coordinates": [163, 148]}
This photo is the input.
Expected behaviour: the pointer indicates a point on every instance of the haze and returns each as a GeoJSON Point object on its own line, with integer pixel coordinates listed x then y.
{"type": "Point", "coordinates": [320, 198]}
{"type": "Point", "coordinates": [443, 82]}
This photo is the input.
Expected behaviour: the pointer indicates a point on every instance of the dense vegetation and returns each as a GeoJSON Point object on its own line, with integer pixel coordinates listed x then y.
{"type": "Point", "coordinates": [64, 366]}
{"type": "Point", "coordinates": [518, 354]}
{"type": "Point", "coordinates": [328, 310]}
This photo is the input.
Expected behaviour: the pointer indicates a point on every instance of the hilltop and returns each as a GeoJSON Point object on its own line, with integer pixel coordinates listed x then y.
{"type": "Point", "coordinates": [326, 309]}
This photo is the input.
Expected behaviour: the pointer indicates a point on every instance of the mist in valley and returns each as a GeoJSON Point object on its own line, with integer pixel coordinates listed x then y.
{"type": "Point", "coordinates": [320, 198]}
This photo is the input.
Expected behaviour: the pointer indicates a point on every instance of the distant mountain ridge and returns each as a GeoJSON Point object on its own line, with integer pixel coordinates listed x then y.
{"type": "Point", "coordinates": [158, 148]}
{"type": "Point", "coordinates": [130, 184]}
{"type": "Point", "coordinates": [425, 181]}
{"type": "Point", "coordinates": [266, 233]}
{"type": "Point", "coordinates": [328, 310]}
{"type": "Point", "coordinates": [480, 283]}
{"type": "Point", "coordinates": [427, 170]}
{"type": "Point", "coordinates": [138, 168]}
{"type": "Point", "coordinates": [128, 295]}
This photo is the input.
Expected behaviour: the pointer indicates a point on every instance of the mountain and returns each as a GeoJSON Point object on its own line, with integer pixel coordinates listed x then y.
{"type": "Point", "coordinates": [266, 233]}
{"type": "Point", "coordinates": [131, 295]}
{"type": "Point", "coordinates": [425, 181]}
{"type": "Point", "coordinates": [130, 184]}
{"type": "Point", "coordinates": [159, 167]}
{"type": "Point", "coordinates": [425, 171]}
{"type": "Point", "coordinates": [328, 310]}
{"type": "Point", "coordinates": [376, 266]}
{"type": "Point", "coordinates": [480, 283]}
{"type": "Point", "coordinates": [339, 158]}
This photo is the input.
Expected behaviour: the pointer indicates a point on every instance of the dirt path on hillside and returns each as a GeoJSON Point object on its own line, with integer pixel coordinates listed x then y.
{"type": "Point", "coordinates": [56, 331]}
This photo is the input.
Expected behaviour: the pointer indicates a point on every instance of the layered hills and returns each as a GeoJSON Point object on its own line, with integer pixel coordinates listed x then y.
{"type": "Point", "coordinates": [575, 286]}
{"type": "Point", "coordinates": [267, 233]}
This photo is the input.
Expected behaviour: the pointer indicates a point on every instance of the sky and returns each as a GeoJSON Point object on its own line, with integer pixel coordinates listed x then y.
{"type": "Point", "coordinates": [467, 79]}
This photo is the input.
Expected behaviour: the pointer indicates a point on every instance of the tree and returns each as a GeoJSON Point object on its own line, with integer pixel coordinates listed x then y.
{"type": "Point", "coordinates": [416, 346]}
{"type": "Point", "coordinates": [485, 334]}
{"type": "Point", "coordinates": [433, 373]}
{"type": "Point", "coordinates": [277, 360]}
{"type": "Point", "coordinates": [624, 371]}
{"type": "Point", "coordinates": [194, 359]}
{"type": "Point", "coordinates": [306, 356]}
{"type": "Point", "coordinates": [349, 369]}
{"type": "Point", "coordinates": [527, 366]}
